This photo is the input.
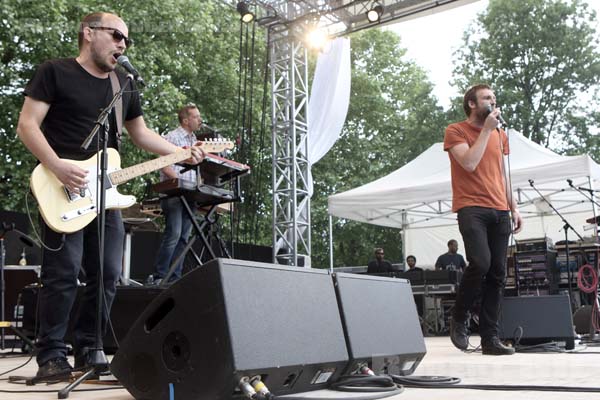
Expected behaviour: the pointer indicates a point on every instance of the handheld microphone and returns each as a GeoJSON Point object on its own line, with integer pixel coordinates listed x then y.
{"type": "Point", "coordinates": [123, 61]}
{"type": "Point", "coordinates": [209, 128]}
{"type": "Point", "coordinates": [499, 117]}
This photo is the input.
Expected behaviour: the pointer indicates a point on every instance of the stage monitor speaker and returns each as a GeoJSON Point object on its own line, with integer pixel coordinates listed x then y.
{"type": "Point", "coordinates": [381, 323]}
{"type": "Point", "coordinates": [231, 319]}
{"type": "Point", "coordinates": [537, 319]}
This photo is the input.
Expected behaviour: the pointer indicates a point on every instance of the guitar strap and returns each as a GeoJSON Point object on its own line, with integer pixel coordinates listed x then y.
{"type": "Point", "coordinates": [116, 86]}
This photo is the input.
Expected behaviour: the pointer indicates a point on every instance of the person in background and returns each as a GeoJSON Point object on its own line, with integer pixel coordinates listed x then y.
{"type": "Point", "coordinates": [451, 260]}
{"type": "Point", "coordinates": [178, 225]}
{"type": "Point", "coordinates": [379, 265]}
{"type": "Point", "coordinates": [411, 261]}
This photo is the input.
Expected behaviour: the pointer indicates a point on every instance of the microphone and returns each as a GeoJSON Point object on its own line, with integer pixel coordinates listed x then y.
{"type": "Point", "coordinates": [123, 61]}
{"type": "Point", "coordinates": [209, 128]}
{"type": "Point", "coordinates": [570, 182]}
{"type": "Point", "coordinates": [530, 182]}
{"type": "Point", "coordinates": [490, 109]}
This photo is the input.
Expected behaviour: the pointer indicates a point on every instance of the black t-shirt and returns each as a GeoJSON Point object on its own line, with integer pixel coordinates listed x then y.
{"type": "Point", "coordinates": [76, 99]}
{"type": "Point", "coordinates": [454, 262]}
{"type": "Point", "coordinates": [375, 266]}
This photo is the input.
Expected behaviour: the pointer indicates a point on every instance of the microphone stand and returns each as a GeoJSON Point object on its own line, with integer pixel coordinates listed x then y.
{"type": "Point", "coordinates": [590, 196]}
{"type": "Point", "coordinates": [566, 228]}
{"type": "Point", "coordinates": [96, 358]}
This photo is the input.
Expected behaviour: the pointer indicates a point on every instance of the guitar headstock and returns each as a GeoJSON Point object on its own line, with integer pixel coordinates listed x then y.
{"type": "Point", "coordinates": [215, 145]}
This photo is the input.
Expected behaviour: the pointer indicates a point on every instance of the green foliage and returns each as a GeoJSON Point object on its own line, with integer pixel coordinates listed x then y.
{"type": "Point", "coordinates": [540, 56]}
{"type": "Point", "coordinates": [393, 117]}
{"type": "Point", "coordinates": [187, 50]}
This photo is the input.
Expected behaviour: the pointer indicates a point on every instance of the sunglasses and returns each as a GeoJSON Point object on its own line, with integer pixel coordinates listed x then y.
{"type": "Point", "coordinates": [116, 34]}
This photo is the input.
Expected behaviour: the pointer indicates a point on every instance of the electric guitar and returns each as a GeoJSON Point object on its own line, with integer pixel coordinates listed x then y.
{"type": "Point", "coordinates": [65, 211]}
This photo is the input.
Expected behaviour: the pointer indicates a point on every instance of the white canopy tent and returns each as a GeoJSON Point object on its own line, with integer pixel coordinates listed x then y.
{"type": "Point", "coordinates": [417, 198]}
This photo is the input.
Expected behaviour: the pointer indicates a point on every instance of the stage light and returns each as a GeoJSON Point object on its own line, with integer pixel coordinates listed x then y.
{"type": "Point", "coordinates": [316, 38]}
{"type": "Point", "coordinates": [374, 14]}
{"type": "Point", "coordinates": [245, 14]}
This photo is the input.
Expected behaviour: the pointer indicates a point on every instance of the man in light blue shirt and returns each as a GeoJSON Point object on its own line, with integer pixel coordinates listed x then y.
{"type": "Point", "coordinates": [178, 224]}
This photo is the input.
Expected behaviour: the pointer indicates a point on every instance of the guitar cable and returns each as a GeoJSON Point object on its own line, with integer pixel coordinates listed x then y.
{"type": "Point", "coordinates": [39, 240]}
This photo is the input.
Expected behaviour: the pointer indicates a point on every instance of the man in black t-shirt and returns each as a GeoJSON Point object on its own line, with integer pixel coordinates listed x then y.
{"type": "Point", "coordinates": [62, 102]}
{"type": "Point", "coordinates": [451, 260]}
{"type": "Point", "coordinates": [411, 261]}
{"type": "Point", "coordinates": [379, 265]}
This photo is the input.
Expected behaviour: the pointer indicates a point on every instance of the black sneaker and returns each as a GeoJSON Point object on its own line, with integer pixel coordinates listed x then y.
{"type": "Point", "coordinates": [494, 347]}
{"type": "Point", "coordinates": [56, 369]}
{"type": "Point", "coordinates": [459, 335]}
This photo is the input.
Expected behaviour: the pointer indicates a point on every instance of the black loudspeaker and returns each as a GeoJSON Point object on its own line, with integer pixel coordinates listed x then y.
{"type": "Point", "coordinates": [381, 323]}
{"type": "Point", "coordinates": [231, 319]}
{"type": "Point", "coordinates": [537, 319]}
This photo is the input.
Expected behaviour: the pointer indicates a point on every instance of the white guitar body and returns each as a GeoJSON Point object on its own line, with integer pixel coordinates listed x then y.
{"type": "Point", "coordinates": [69, 212]}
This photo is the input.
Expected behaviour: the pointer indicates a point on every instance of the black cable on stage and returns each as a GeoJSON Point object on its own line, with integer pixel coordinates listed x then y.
{"type": "Point", "coordinates": [425, 380]}
{"type": "Point", "coordinates": [509, 388]}
{"type": "Point", "coordinates": [56, 391]}
{"type": "Point", "coordinates": [18, 367]}
{"type": "Point", "coordinates": [372, 396]}
{"type": "Point", "coordinates": [365, 383]}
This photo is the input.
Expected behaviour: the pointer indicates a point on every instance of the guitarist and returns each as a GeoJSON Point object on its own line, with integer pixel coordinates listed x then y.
{"type": "Point", "coordinates": [178, 225]}
{"type": "Point", "coordinates": [62, 102]}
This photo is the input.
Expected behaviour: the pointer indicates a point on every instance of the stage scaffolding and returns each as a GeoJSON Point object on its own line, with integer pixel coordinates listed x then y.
{"type": "Point", "coordinates": [288, 21]}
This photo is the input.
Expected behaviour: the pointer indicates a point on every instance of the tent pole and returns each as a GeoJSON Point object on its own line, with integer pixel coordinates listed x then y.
{"type": "Point", "coordinates": [330, 244]}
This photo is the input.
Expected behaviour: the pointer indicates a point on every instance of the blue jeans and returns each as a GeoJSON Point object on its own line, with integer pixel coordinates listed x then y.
{"type": "Point", "coordinates": [60, 271]}
{"type": "Point", "coordinates": [177, 231]}
{"type": "Point", "coordinates": [485, 233]}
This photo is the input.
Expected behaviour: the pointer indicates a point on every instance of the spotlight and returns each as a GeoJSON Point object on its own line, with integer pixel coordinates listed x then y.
{"type": "Point", "coordinates": [316, 38]}
{"type": "Point", "coordinates": [374, 14]}
{"type": "Point", "coordinates": [245, 15]}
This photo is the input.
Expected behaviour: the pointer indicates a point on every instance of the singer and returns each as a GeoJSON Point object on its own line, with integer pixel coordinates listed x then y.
{"type": "Point", "coordinates": [62, 103]}
{"type": "Point", "coordinates": [482, 197]}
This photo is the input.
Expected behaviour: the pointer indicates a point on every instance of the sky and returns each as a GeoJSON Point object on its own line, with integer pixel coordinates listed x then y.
{"type": "Point", "coordinates": [431, 40]}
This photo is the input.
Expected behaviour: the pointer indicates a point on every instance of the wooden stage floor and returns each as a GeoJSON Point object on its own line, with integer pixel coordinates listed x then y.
{"type": "Point", "coordinates": [580, 368]}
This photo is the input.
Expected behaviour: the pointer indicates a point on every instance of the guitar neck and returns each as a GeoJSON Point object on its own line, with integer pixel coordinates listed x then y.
{"type": "Point", "coordinates": [126, 174]}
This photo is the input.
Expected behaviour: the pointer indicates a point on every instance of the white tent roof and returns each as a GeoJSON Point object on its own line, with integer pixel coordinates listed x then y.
{"type": "Point", "coordinates": [419, 194]}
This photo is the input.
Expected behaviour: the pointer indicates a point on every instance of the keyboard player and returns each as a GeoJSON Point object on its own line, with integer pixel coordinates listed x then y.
{"type": "Point", "coordinates": [178, 225]}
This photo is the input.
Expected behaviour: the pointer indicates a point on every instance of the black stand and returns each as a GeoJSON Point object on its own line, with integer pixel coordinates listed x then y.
{"type": "Point", "coordinates": [590, 196]}
{"type": "Point", "coordinates": [97, 362]}
{"type": "Point", "coordinates": [4, 229]}
{"type": "Point", "coordinates": [199, 234]}
{"type": "Point", "coordinates": [566, 228]}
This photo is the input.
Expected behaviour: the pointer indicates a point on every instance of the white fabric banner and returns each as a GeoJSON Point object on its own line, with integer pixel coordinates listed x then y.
{"type": "Point", "coordinates": [328, 102]}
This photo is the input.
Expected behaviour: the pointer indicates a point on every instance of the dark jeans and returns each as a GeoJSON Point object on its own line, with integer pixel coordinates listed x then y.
{"type": "Point", "coordinates": [485, 233]}
{"type": "Point", "coordinates": [178, 227]}
{"type": "Point", "coordinates": [60, 271]}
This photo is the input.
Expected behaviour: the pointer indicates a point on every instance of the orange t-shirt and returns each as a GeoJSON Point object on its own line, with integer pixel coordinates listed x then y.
{"type": "Point", "coordinates": [483, 187]}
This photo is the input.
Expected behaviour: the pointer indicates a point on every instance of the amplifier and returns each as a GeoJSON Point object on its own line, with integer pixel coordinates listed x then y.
{"type": "Point", "coordinates": [537, 244]}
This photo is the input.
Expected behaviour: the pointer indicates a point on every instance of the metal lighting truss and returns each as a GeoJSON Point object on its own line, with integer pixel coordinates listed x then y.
{"type": "Point", "coordinates": [288, 21]}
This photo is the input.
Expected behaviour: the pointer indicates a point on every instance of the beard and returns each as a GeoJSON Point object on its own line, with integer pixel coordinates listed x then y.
{"type": "Point", "coordinates": [100, 61]}
{"type": "Point", "coordinates": [482, 113]}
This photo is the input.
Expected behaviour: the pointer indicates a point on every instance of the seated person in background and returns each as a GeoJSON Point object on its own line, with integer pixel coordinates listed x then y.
{"type": "Point", "coordinates": [379, 265]}
{"type": "Point", "coordinates": [411, 261]}
{"type": "Point", "coordinates": [451, 260]}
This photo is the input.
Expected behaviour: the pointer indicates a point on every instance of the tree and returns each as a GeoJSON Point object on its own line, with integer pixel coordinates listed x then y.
{"type": "Point", "coordinates": [540, 56]}
{"type": "Point", "coordinates": [187, 51]}
{"type": "Point", "coordinates": [392, 118]}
